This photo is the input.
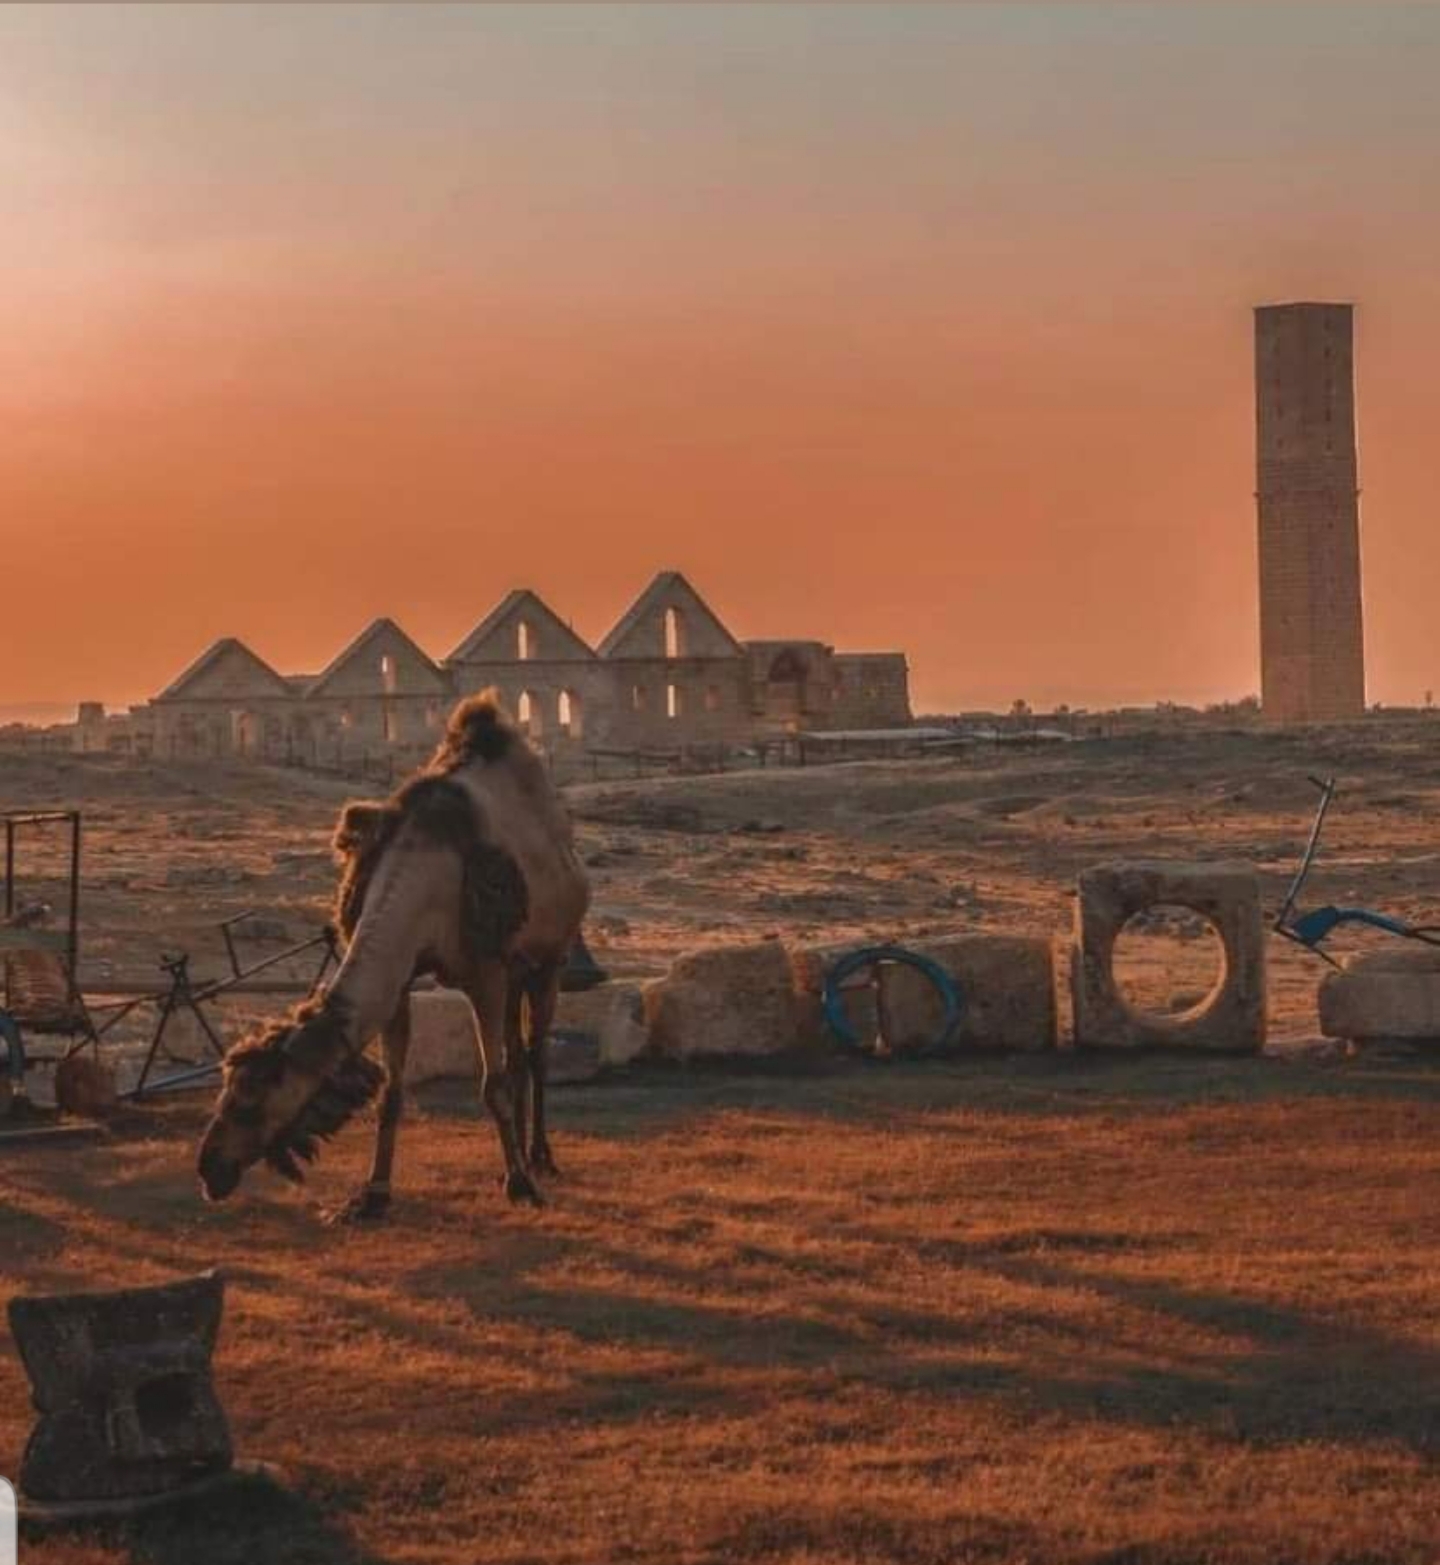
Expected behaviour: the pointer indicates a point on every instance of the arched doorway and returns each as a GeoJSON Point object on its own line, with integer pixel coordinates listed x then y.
{"type": "Point", "coordinates": [246, 734]}
{"type": "Point", "coordinates": [785, 687]}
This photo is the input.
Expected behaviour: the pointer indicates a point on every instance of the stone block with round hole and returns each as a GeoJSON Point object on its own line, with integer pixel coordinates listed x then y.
{"type": "Point", "coordinates": [1231, 1017]}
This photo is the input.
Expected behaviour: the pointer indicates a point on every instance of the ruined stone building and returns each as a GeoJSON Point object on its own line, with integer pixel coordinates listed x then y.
{"type": "Point", "coordinates": [669, 675]}
{"type": "Point", "coordinates": [1312, 654]}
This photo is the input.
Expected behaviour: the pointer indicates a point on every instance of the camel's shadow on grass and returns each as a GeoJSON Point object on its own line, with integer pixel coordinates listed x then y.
{"type": "Point", "coordinates": [1270, 1375]}
{"type": "Point", "coordinates": [712, 1299]}
{"type": "Point", "coordinates": [257, 1520]}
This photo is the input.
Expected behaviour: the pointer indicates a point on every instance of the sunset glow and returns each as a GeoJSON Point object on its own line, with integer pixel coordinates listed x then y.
{"type": "Point", "coordinates": [921, 327]}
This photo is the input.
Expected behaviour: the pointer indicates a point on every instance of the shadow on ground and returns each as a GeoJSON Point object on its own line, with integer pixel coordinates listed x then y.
{"type": "Point", "coordinates": [257, 1520]}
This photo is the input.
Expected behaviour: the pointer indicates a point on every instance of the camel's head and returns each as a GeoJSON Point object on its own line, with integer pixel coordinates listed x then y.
{"type": "Point", "coordinates": [284, 1091]}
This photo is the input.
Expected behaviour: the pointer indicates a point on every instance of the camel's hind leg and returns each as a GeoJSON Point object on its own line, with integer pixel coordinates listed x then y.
{"type": "Point", "coordinates": [543, 992]}
{"type": "Point", "coordinates": [372, 1199]}
{"type": "Point", "coordinates": [490, 995]}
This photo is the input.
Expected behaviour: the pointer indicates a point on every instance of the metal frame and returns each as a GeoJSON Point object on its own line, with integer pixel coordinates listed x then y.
{"type": "Point", "coordinates": [65, 943]}
{"type": "Point", "coordinates": [182, 993]}
{"type": "Point", "coordinates": [1312, 929]}
{"type": "Point", "coordinates": [185, 994]}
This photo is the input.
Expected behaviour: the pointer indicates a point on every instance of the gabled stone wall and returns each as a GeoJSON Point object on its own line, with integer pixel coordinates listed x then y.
{"type": "Point", "coordinates": [669, 676]}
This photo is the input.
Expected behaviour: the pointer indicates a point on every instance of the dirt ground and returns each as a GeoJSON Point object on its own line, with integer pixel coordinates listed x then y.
{"type": "Point", "coordinates": [989, 841]}
{"type": "Point", "coordinates": [1025, 1311]}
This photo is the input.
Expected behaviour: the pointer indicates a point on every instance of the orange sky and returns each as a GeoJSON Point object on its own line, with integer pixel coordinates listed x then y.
{"type": "Point", "coordinates": [895, 327]}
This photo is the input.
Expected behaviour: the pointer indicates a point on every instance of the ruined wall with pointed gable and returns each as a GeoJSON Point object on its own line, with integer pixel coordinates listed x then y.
{"type": "Point", "coordinates": [668, 677]}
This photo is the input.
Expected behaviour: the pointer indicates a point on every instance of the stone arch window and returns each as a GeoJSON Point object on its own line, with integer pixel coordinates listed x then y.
{"type": "Point", "coordinates": [569, 715]}
{"type": "Point", "coordinates": [674, 701]}
{"type": "Point", "coordinates": [712, 698]}
{"type": "Point", "coordinates": [390, 724]}
{"type": "Point", "coordinates": [527, 711]}
{"type": "Point", "coordinates": [387, 673]}
{"type": "Point", "coordinates": [639, 698]}
{"type": "Point", "coordinates": [525, 641]}
{"type": "Point", "coordinates": [674, 633]}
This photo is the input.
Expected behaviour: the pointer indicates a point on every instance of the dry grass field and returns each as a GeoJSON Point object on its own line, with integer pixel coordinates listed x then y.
{"type": "Point", "coordinates": [1038, 1310]}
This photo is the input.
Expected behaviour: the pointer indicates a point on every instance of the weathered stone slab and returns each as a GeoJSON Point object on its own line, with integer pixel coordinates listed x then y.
{"type": "Point", "coordinates": [1231, 1019]}
{"type": "Point", "coordinates": [1006, 982]}
{"type": "Point", "coordinates": [1389, 993]}
{"type": "Point", "coordinates": [613, 1013]}
{"type": "Point", "coordinates": [733, 1000]}
{"type": "Point", "coordinates": [444, 1044]}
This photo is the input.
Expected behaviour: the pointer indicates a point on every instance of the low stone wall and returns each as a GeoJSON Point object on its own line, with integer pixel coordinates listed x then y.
{"type": "Point", "coordinates": [761, 999]}
{"type": "Point", "coordinates": [733, 1000]}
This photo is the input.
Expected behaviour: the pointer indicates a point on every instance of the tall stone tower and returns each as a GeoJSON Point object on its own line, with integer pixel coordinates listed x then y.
{"type": "Point", "coordinates": [1312, 651]}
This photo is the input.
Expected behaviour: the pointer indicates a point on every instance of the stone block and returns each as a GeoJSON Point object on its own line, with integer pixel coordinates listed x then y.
{"type": "Point", "coordinates": [444, 1044]}
{"type": "Point", "coordinates": [1231, 1019]}
{"type": "Point", "coordinates": [1006, 982]}
{"type": "Point", "coordinates": [733, 1000]}
{"type": "Point", "coordinates": [614, 1014]}
{"type": "Point", "coordinates": [1389, 993]}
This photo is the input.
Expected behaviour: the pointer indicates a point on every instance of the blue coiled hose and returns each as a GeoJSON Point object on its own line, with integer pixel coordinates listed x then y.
{"type": "Point", "coordinates": [868, 956]}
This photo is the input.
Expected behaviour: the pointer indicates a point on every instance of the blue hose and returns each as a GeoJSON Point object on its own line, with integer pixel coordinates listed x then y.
{"type": "Point", "coordinates": [14, 1048]}
{"type": "Point", "coordinates": [869, 956]}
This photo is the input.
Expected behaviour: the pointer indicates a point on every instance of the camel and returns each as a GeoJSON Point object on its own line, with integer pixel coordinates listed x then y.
{"type": "Point", "coordinates": [468, 873]}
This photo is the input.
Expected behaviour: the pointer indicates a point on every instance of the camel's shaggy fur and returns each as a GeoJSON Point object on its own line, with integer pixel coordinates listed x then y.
{"type": "Point", "coordinates": [311, 1038]}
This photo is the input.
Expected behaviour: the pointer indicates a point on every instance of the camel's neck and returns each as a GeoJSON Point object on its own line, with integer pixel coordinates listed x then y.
{"type": "Point", "coordinates": [388, 939]}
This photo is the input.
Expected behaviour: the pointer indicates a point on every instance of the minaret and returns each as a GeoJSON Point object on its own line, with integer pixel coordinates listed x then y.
{"type": "Point", "coordinates": [1312, 650]}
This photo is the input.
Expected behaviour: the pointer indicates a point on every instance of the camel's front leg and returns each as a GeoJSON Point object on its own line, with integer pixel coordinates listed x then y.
{"type": "Point", "coordinates": [516, 1067]}
{"type": "Point", "coordinates": [544, 992]}
{"type": "Point", "coordinates": [490, 995]}
{"type": "Point", "coordinates": [372, 1199]}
